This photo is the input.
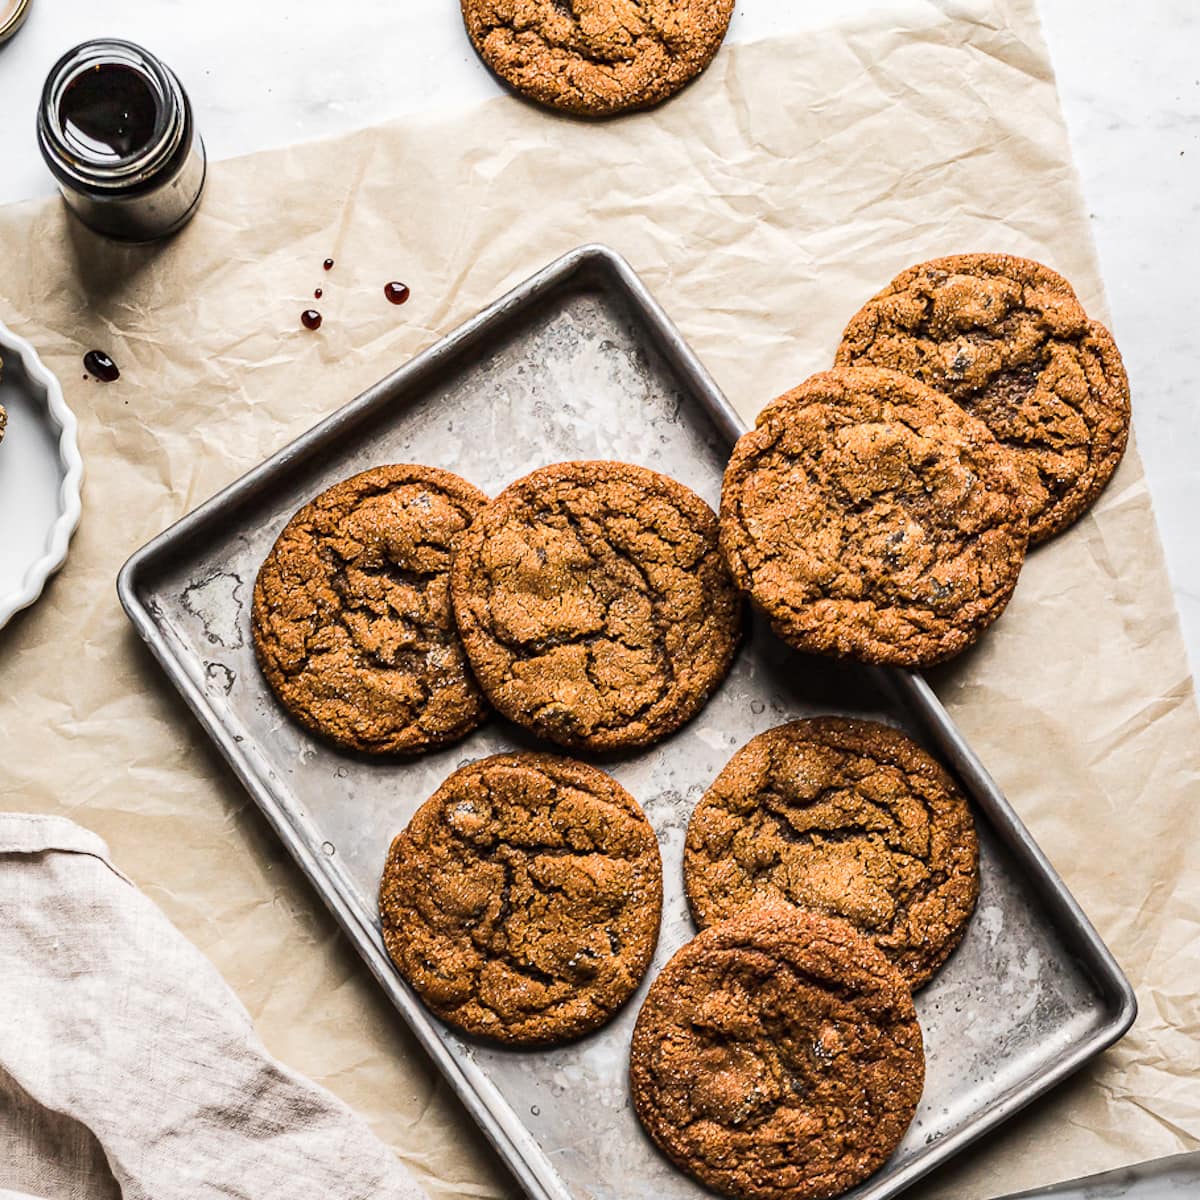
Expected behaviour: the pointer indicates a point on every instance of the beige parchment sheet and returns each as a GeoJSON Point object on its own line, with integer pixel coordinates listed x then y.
{"type": "Point", "coordinates": [762, 206]}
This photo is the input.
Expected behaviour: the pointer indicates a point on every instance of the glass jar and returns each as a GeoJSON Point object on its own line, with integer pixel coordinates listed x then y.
{"type": "Point", "coordinates": [115, 127]}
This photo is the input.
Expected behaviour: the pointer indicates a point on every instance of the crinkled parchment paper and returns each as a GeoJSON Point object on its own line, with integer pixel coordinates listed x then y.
{"type": "Point", "coordinates": [762, 206]}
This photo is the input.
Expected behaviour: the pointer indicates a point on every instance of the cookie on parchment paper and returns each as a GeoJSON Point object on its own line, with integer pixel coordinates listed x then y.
{"type": "Point", "coordinates": [596, 58]}
{"type": "Point", "coordinates": [1007, 339]}
{"type": "Point", "coordinates": [871, 518]}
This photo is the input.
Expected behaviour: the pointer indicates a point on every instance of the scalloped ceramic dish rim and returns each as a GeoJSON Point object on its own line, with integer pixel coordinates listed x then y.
{"type": "Point", "coordinates": [71, 470]}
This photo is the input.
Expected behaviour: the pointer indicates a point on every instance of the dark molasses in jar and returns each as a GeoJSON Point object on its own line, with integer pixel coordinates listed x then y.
{"type": "Point", "coordinates": [116, 128]}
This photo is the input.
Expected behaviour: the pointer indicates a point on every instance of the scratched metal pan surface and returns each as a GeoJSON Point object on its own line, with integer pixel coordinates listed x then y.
{"type": "Point", "coordinates": [580, 362]}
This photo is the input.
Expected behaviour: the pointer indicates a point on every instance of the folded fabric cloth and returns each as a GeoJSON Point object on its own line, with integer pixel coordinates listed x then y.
{"type": "Point", "coordinates": [121, 1045]}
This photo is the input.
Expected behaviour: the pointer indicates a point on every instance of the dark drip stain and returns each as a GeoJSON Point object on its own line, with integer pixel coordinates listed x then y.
{"type": "Point", "coordinates": [310, 319]}
{"type": "Point", "coordinates": [97, 363]}
{"type": "Point", "coordinates": [220, 676]}
{"type": "Point", "coordinates": [396, 292]}
{"type": "Point", "coordinates": [216, 601]}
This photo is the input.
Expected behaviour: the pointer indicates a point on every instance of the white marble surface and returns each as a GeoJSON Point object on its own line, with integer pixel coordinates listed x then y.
{"type": "Point", "coordinates": [275, 71]}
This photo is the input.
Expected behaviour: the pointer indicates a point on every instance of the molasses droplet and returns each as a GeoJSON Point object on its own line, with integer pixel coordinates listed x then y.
{"type": "Point", "coordinates": [318, 294]}
{"type": "Point", "coordinates": [328, 264]}
{"type": "Point", "coordinates": [310, 319]}
{"type": "Point", "coordinates": [396, 292]}
{"type": "Point", "coordinates": [97, 363]}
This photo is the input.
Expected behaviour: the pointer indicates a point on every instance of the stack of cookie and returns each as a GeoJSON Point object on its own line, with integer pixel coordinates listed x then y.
{"type": "Point", "coordinates": [882, 510]}
{"type": "Point", "coordinates": [832, 868]}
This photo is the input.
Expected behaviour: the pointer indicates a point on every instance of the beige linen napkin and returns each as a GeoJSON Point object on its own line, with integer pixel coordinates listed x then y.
{"type": "Point", "coordinates": [120, 1042]}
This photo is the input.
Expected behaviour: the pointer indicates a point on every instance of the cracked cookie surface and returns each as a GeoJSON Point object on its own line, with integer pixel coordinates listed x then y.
{"type": "Point", "coordinates": [777, 1057]}
{"type": "Point", "coordinates": [594, 604]}
{"type": "Point", "coordinates": [523, 900]}
{"type": "Point", "coordinates": [597, 57]}
{"type": "Point", "coordinates": [1007, 339]}
{"type": "Point", "coordinates": [850, 818]}
{"type": "Point", "coordinates": [871, 518]}
{"type": "Point", "coordinates": [352, 622]}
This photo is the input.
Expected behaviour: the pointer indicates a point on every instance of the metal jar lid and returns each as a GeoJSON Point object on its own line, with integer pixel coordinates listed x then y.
{"type": "Point", "coordinates": [12, 17]}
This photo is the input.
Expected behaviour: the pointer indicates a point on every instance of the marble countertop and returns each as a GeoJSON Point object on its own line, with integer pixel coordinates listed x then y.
{"type": "Point", "coordinates": [280, 71]}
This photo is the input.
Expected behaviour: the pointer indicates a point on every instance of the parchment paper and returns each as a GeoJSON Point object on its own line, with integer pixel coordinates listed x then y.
{"type": "Point", "coordinates": [762, 206]}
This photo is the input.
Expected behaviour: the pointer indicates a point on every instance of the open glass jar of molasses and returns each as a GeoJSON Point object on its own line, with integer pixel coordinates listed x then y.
{"type": "Point", "coordinates": [116, 128]}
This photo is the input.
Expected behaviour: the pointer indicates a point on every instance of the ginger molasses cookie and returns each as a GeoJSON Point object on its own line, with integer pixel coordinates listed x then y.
{"type": "Point", "coordinates": [523, 900]}
{"type": "Point", "coordinates": [778, 1056]}
{"type": "Point", "coordinates": [352, 622]}
{"type": "Point", "coordinates": [597, 57]}
{"type": "Point", "coordinates": [850, 818]}
{"type": "Point", "coordinates": [1007, 339]}
{"type": "Point", "coordinates": [594, 604]}
{"type": "Point", "coordinates": [871, 518]}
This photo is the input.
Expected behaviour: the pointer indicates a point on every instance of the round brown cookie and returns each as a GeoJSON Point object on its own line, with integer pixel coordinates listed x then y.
{"type": "Point", "coordinates": [523, 900]}
{"type": "Point", "coordinates": [1007, 339]}
{"type": "Point", "coordinates": [352, 622]}
{"type": "Point", "coordinates": [871, 518]}
{"type": "Point", "coordinates": [778, 1056]}
{"type": "Point", "coordinates": [850, 818]}
{"type": "Point", "coordinates": [597, 57]}
{"type": "Point", "coordinates": [594, 604]}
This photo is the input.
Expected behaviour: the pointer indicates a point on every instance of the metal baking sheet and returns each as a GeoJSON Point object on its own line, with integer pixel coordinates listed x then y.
{"type": "Point", "coordinates": [580, 362]}
{"type": "Point", "coordinates": [1173, 1178]}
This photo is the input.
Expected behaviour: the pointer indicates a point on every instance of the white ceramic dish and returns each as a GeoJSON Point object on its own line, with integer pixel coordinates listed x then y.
{"type": "Point", "coordinates": [40, 476]}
